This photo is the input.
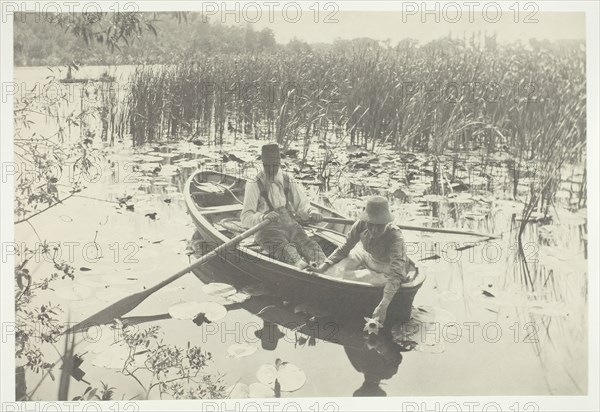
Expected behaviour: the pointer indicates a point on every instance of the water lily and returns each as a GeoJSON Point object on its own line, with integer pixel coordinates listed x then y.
{"type": "Point", "coordinates": [288, 376]}
{"type": "Point", "coordinates": [372, 325]}
{"type": "Point", "coordinates": [240, 350]}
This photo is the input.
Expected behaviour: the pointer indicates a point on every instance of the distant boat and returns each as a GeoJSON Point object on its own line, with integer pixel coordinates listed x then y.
{"type": "Point", "coordinates": [104, 77]}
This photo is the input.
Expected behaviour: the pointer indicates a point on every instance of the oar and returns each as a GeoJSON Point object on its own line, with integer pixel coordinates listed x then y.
{"type": "Point", "coordinates": [127, 304]}
{"type": "Point", "coordinates": [415, 228]}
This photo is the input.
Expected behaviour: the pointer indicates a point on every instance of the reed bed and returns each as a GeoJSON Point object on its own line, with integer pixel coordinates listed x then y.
{"type": "Point", "coordinates": [438, 97]}
{"type": "Point", "coordinates": [523, 106]}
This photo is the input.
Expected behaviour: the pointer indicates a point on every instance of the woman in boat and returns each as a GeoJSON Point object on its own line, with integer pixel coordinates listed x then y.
{"type": "Point", "coordinates": [383, 251]}
{"type": "Point", "coordinates": [274, 196]}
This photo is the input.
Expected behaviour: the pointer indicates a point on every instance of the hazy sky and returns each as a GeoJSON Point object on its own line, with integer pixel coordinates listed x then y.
{"type": "Point", "coordinates": [393, 25]}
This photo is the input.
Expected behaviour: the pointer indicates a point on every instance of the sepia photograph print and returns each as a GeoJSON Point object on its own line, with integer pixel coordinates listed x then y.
{"type": "Point", "coordinates": [299, 206]}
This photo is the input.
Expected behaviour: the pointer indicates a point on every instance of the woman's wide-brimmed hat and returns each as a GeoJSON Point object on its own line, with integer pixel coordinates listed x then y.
{"type": "Point", "coordinates": [377, 211]}
{"type": "Point", "coordinates": [270, 154]}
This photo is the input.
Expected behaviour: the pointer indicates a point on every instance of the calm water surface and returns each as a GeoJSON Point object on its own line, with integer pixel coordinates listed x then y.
{"type": "Point", "coordinates": [482, 333]}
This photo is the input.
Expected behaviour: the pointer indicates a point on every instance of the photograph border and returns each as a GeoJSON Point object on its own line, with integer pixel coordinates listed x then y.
{"type": "Point", "coordinates": [408, 403]}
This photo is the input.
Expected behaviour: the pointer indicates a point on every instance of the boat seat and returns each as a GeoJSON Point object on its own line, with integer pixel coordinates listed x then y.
{"type": "Point", "coordinates": [213, 210]}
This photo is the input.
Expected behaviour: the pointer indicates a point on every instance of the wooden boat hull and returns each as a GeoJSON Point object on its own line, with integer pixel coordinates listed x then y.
{"type": "Point", "coordinates": [355, 298]}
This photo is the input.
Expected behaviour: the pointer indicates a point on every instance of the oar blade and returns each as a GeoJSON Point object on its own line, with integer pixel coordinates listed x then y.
{"type": "Point", "coordinates": [110, 313]}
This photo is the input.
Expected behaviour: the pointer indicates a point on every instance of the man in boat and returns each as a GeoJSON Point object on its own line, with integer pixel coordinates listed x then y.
{"type": "Point", "coordinates": [383, 251]}
{"type": "Point", "coordinates": [276, 197]}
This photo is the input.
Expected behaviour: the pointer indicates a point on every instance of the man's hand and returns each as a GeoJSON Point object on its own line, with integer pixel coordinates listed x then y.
{"type": "Point", "coordinates": [315, 217]}
{"type": "Point", "coordinates": [272, 216]}
{"type": "Point", "coordinates": [322, 267]}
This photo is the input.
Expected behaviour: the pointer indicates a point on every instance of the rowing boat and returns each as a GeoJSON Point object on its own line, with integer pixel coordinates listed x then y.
{"type": "Point", "coordinates": [214, 201]}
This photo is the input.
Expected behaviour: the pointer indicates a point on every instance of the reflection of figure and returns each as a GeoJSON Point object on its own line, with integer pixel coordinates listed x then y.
{"type": "Point", "coordinates": [269, 335]}
{"type": "Point", "coordinates": [276, 197]}
{"type": "Point", "coordinates": [377, 359]}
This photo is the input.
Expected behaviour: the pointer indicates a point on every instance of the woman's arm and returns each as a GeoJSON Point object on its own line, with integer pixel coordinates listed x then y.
{"type": "Point", "coordinates": [352, 238]}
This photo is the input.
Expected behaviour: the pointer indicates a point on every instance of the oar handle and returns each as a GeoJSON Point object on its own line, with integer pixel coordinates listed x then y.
{"type": "Point", "coordinates": [344, 221]}
{"type": "Point", "coordinates": [213, 253]}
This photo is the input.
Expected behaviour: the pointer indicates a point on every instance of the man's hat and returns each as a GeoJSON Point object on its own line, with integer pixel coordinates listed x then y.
{"type": "Point", "coordinates": [377, 211]}
{"type": "Point", "coordinates": [270, 154]}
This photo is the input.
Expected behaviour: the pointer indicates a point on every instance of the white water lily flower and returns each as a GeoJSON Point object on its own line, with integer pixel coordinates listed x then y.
{"type": "Point", "coordinates": [372, 325]}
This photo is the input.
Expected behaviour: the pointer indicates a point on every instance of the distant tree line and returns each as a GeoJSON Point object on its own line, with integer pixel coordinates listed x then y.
{"type": "Point", "coordinates": [157, 38]}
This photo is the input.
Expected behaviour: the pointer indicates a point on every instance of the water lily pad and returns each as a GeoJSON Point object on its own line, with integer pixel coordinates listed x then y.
{"type": "Point", "coordinates": [417, 335]}
{"type": "Point", "coordinates": [241, 350]}
{"type": "Point", "coordinates": [509, 206]}
{"type": "Point", "coordinates": [432, 314]}
{"type": "Point", "coordinates": [238, 297]}
{"type": "Point", "coordinates": [555, 253]}
{"type": "Point", "coordinates": [460, 198]}
{"type": "Point", "coordinates": [73, 292]}
{"type": "Point", "coordinates": [257, 289]}
{"type": "Point", "coordinates": [418, 220]}
{"type": "Point", "coordinates": [434, 198]}
{"type": "Point", "coordinates": [407, 331]}
{"type": "Point", "coordinates": [91, 282]}
{"type": "Point", "coordinates": [474, 216]}
{"type": "Point", "coordinates": [190, 310]}
{"type": "Point", "coordinates": [553, 309]}
{"type": "Point", "coordinates": [565, 217]}
{"type": "Point", "coordinates": [146, 158]}
{"type": "Point", "coordinates": [212, 310]}
{"type": "Point", "coordinates": [260, 390]}
{"type": "Point", "coordinates": [219, 289]}
{"type": "Point", "coordinates": [185, 310]}
{"type": "Point", "coordinates": [500, 297]}
{"type": "Point", "coordinates": [97, 338]}
{"type": "Point", "coordinates": [313, 309]}
{"type": "Point", "coordinates": [113, 357]}
{"type": "Point", "coordinates": [436, 348]}
{"type": "Point", "coordinates": [111, 294]}
{"type": "Point", "coordinates": [119, 279]}
{"type": "Point", "coordinates": [188, 163]}
{"type": "Point", "coordinates": [238, 391]}
{"type": "Point", "coordinates": [449, 296]}
{"type": "Point", "coordinates": [290, 377]}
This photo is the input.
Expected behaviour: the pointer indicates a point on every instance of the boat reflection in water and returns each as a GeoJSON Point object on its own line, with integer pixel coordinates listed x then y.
{"type": "Point", "coordinates": [376, 357]}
